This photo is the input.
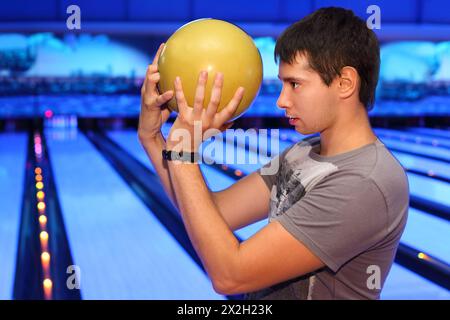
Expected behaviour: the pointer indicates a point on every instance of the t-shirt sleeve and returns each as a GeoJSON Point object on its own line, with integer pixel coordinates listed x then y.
{"type": "Point", "coordinates": [337, 220]}
{"type": "Point", "coordinates": [269, 177]}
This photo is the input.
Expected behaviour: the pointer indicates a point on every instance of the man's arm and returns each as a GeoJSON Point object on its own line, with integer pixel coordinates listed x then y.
{"type": "Point", "coordinates": [243, 203]}
{"type": "Point", "coordinates": [271, 256]}
{"type": "Point", "coordinates": [154, 148]}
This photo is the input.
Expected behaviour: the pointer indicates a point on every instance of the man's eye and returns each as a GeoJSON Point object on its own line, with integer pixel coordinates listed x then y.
{"type": "Point", "coordinates": [294, 84]}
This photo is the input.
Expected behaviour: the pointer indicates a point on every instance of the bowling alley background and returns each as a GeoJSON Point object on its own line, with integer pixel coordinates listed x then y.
{"type": "Point", "coordinates": [82, 213]}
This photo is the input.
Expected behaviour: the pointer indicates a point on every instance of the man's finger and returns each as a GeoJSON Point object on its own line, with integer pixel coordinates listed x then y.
{"type": "Point", "coordinates": [215, 95]}
{"type": "Point", "coordinates": [163, 98]}
{"type": "Point", "coordinates": [229, 110]}
{"type": "Point", "coordinates": [144, 84]}
{"type": "Point", "coordinates": [149, 87]}
{"type": "Point", "coordinates": [200, 94]}
{"type": "Point", "coordinates": [151, 80]}
{"type": "Point", "coordinates": [179, 95]}
{"type": "Point", "coordinates": [158, 53]}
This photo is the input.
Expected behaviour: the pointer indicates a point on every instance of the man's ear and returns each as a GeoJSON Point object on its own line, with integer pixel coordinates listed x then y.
{"type": "Point", "coordinates": [348, 82]}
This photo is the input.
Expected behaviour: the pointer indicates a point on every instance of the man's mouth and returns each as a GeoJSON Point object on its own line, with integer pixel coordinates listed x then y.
{"type": "Point", "coordinates": [292, 119]}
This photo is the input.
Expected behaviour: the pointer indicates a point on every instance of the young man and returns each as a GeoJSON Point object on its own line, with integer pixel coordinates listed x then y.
{"type": "Point", "coordinates": [338, 203]}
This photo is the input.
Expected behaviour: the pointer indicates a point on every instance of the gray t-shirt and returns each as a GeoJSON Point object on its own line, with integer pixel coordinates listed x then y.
{"type": "Point", "coordinates": [350, 210]}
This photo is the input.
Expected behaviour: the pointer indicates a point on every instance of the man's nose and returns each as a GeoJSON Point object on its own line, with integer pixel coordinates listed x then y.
{"type": "Point", "coordinates": [283, 100]}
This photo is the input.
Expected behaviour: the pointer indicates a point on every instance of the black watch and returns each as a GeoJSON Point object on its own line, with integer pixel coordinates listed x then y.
{"type": "Point", "coordinates": [182, 156]}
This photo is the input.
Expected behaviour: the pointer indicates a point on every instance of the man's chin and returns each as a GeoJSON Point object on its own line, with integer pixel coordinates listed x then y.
{"type": "Point", "coordinates": [304, 131]}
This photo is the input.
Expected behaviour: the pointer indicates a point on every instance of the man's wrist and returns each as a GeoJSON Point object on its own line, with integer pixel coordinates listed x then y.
{"type": "Point", "coordinates": [189, 157]}
{"type": "Point", "coordinates": [181, 146]}
{"type": "Point", "coordinates": [153, 140]}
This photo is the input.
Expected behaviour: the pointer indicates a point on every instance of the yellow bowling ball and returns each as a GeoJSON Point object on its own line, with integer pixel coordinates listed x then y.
{"type": "Point", "coordinates": [215, 46]}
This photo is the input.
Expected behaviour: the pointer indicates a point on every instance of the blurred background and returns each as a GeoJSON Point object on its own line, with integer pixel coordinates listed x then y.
{"type": "Point", "coordinates": [83, 215]}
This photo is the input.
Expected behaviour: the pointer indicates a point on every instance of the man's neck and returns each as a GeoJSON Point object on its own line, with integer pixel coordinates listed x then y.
{"type": "Point", "coordinates": [348, 134]}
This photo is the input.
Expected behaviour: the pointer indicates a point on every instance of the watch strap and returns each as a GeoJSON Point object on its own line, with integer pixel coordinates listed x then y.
{"type": "Point", "coordinates": [171, 155]}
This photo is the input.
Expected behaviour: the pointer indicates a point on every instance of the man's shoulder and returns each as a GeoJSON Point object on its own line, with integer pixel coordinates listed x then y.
{"type": "Point", "coordinates": [304, 145]}
{"type": "Point", "coordinates": [387, 169]}
{"type": "Point", "coordinates": [390, 177]}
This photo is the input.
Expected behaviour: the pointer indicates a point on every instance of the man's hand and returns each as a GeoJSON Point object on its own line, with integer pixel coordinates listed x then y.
{"type": "Point", "coordinates": [195, 124]}
{"type": "Point", "coordinates": [154, 112]}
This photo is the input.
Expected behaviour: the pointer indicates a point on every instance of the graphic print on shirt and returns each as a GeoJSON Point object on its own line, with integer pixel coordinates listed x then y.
{"type": "Point", "coordinates": [289, 189]}
{"type": "Point", "coordinates": [298, 175]}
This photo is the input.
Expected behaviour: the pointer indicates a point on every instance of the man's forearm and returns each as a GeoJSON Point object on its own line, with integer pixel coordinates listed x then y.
{"type": "Point", "coordinates": [153, 148]}
{"type": "Point", "coordinates": [209, 233]}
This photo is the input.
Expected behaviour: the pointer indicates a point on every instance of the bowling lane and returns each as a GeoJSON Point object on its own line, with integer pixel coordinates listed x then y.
{"type": "Point", "coordinates": [413, 137]}
{"type": "Point", "coordinates": [401, 283]}
{"type": "Point", "coordinates": [431, 189]}
{"type": "Point", "coordinates": [13, 152]}
{"type": "Point", "coordinates": [422, 164]}
{"type": "Point", "coordinates": [121, 248]}
{"type": "Point", "coordinates": [216, 180]}
{"type": "Point", "coordinates": [427, 233]}
{"type": "Point", "coordinates": [431, 132]}
{"type": "Point", "coordinates": [428, 166]}
{"type": "Point", "coordinates": [392, 143]}
{"type": "Point", "coordinates": [419, 149]}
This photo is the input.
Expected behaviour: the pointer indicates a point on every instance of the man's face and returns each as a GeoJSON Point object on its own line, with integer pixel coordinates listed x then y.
{"type": "Point", "coordinates": [305, 97]}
